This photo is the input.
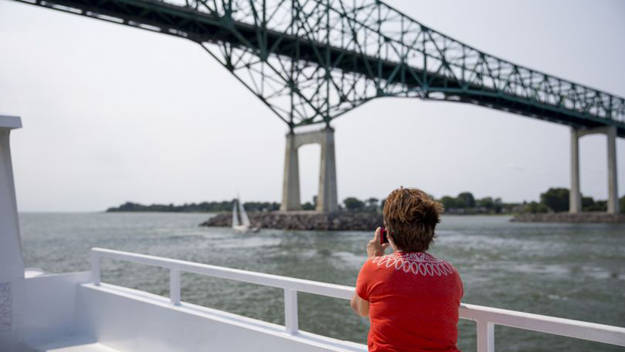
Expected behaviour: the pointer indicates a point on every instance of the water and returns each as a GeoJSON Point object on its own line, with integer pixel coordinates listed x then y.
{"type": "Point", "coordinates": [572, 271]}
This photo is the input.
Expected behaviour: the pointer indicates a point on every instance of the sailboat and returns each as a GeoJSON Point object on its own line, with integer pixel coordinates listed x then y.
{"type": "Point", "coordinates": [240, 221]}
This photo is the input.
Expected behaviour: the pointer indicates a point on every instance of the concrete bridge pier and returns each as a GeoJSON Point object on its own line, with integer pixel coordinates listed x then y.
{"type": "Point", "coordinates": [613, 205]}
{"type": "Point", "coordinates": [290, 181]}
{"type": "Point", "coordinates": [575, 197]}
{"type": "Point", "coordinates": [327, 199]}
{"type": "Point", "coordinates": [575, 203]}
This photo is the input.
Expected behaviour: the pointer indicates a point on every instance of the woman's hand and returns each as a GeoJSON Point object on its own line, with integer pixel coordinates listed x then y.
{"type": "Point", "coordinates": [374, 248]}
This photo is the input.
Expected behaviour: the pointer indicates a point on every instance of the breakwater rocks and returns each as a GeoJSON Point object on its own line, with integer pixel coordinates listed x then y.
{"type": "Point", "coordinates": [571, 218]}
{"type": "Point", "coordinates": [305, 220]}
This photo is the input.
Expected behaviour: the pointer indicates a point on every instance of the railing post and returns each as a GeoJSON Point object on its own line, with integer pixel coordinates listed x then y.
{"type": "Point", "coordinates": [485, 336]}
{"type": "Point", "coordinates": [290, 311]}
{"type": "Point", "coordinates": [95, 268]}
{"type": "Point", "coordinates": [174, 286]}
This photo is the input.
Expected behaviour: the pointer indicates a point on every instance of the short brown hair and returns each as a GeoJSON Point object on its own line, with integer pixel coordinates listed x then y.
{"type": "Point", "coordinates": [411, 216]}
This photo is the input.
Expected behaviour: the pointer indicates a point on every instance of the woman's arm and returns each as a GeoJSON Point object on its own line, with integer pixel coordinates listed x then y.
{"type": "Point", "coordinates": [374, 249]}
{"type": "Point", "coordinates": [360, 306]}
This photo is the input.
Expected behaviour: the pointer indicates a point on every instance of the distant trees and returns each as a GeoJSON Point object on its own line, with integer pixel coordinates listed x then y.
{"type": "Point", "coordinates": [557, 199]}
{"type": "Point", "coordinates": [372, 203]}
{"type": "Point", "coordinates": [128, 206]}
{"type": "Point", "coordinates": [462, 201]}
{"type": "Point", "coordinates": [495, 205]}
{"type": "Point", "coordinates": [203, 207]}
{"type": "Point", "coordinates": [487, 202]}
{"type": "Point", "coordinates": [535, 207]}
{"type": "Point", "coordinates": [353, 203]}
{"type": "Point", "coordinates": [552, 200]}
{"type": "Point", "coordinates": [465, 202]}
{"type": "Point", "coordinates": [260, 206]}
{"type": "Point", "coordinates": [308, 206]}
{"type": "Point", "coordinates": [589, 204]}
{"type": "Point", "coordinates": [449, 202]}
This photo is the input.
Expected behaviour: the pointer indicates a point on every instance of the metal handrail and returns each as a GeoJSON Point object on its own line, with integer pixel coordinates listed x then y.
{"type": "Point", "coordinates": [485, 317]}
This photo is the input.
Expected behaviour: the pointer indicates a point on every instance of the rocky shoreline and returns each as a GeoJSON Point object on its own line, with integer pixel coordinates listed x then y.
{"type": "Point", "coordinates": [594, 217]}
{"type": "Point", "coordinates": [368, 221]}
{"type": "Point", "coordinates": [305, 220]}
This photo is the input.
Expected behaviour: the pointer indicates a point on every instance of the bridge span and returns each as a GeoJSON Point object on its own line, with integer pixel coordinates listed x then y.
{"type": "Point", "coordinates": [310, 61]}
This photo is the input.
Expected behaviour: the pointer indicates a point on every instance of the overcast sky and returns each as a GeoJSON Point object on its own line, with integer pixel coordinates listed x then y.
{"type": "Point", "coordinates": [113, 113]}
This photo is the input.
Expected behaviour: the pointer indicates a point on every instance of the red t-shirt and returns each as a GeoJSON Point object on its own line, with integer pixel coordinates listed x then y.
{"type": "Point", "coordinates": [413, 302]}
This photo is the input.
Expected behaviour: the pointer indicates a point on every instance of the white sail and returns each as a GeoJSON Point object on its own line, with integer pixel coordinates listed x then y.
{"type": "Point", "coordinates": [235, 217]}
{"type": "Point", "coordinates": [244, 219]}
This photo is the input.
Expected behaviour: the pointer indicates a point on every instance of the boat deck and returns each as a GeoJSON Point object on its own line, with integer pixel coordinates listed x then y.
{"type": "Point", "coordinates": [77, 312]}
{"type": "Point", "coordinates": [75, 344]}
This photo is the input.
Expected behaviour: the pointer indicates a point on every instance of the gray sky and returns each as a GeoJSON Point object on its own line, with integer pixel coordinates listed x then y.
{"type": "Point", "coordinates": [112, 113]}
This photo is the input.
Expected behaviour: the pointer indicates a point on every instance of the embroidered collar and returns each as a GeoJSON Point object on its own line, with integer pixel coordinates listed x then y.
{"type": "Point", "coordinates": [417, 263]}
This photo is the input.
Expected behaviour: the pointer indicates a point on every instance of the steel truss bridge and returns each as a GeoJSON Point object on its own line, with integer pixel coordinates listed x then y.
{"type": "Point", "coordinates": [310, 61]}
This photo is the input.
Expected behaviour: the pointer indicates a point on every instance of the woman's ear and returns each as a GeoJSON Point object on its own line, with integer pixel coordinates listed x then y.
{"type": "Point", "coordinates": [390, 240]}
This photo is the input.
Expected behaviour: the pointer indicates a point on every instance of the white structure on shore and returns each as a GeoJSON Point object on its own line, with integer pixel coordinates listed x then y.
{"type": "Point", "coordinates": [78, 312]}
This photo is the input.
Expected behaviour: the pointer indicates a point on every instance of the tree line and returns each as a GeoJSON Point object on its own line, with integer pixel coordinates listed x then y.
{"type": "Point", "coordinates": [203, 207]}
{"type": "Point", "coordinates": [556, 200]}
{"type": "Point", "coordinates": [463, 203]}
{"type": "Point", "coordinates": [552, 200]}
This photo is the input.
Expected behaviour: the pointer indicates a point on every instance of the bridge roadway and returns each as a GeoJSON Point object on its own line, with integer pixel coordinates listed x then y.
{"type": "Point", "coordinates": [589, 108]}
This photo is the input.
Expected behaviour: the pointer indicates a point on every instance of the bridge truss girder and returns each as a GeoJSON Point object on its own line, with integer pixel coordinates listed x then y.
{"type": "Point", "coordinates": [310, 61]}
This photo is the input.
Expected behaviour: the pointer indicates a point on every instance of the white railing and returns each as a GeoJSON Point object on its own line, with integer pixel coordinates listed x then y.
{"type": "Point", "coordinates": [485, 317]}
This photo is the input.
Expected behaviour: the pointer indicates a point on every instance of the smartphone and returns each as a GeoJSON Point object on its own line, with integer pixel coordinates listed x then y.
{"type": "Point", "coordinates": [383, 235]}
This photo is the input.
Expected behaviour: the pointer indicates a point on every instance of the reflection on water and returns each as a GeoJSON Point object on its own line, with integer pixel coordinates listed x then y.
{"type": "Point", "coordinates": [566, 270]}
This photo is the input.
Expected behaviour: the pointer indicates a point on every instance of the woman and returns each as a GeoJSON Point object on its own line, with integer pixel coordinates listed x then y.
{"type": "Point", "coordinates": [411, 297]}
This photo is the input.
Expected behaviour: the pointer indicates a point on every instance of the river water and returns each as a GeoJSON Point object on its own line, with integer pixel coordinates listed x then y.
{"type": "Point", "coordinates": [573, 271]}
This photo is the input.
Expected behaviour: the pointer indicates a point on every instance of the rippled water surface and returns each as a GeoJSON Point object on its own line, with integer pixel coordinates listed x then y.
{"type": "Point", "coordinates": [565, 270]}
